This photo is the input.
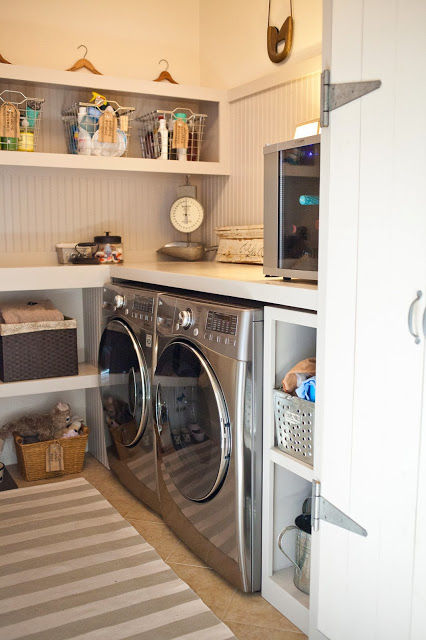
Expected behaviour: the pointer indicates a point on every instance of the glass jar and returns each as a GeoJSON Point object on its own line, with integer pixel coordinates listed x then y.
{"type": "Point", "coordinates": [110, 248]}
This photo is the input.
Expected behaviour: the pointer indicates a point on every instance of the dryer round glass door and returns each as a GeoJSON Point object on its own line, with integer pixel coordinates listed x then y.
{"type": "Point", "coordinates": [124, 382]}
{"type": "Point", "coordinates": [192, 421]}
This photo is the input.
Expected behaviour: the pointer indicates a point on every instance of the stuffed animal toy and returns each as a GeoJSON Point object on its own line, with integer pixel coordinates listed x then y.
{"type": "Point", "coordinates": [74, 428]}
{"type": "Point", "coordinates": [69, 432]}
{"type": "Point", "coordinates": [46, 426]}
{"type": "Point", "coordinates": [116, 411]}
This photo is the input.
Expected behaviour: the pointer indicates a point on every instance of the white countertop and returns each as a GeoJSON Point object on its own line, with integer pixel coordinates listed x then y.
{"type": "Point", "coordinates": [235, 280]}
{"type": "Point", "coordinates": [61, 276]}
{"type": "Point", "coordinates": [238, 280]}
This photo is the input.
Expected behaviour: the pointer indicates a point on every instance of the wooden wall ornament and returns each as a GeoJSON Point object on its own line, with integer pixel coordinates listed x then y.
{"type": "Point", "coordinates": [274, 37]}
{"type": "Point", "coordinates": [3, 60]}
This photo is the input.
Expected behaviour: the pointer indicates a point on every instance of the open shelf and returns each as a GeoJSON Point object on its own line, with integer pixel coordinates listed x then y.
{"type": "Point", "coordinates": [87, 378]}
{"type": "Point", "coordinates": [293, 465]}
{"type": "Point", "coordinates": [95, 163]}
{"type": "Point", "coordinates": [61, 89]}
{"type": "Point", "coordinates": [283, 595]}
{"type": "Point", "coordinates": [290, 336]}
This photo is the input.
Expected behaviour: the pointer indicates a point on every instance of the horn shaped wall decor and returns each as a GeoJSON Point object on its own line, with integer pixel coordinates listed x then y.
{"type": "Point", "coordinates": [274, 37]}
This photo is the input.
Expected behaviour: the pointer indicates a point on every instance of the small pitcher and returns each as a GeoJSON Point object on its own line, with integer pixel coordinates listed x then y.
{"type": "Point", "coordinates": [302, 564]}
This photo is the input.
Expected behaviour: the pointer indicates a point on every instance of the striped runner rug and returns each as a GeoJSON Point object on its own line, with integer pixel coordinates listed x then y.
{"type": "Point", "coordinates": [72, 568]}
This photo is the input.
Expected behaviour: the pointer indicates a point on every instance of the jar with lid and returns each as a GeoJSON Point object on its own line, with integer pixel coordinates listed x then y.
{"type": "Point", "coordinates": [110, 248]}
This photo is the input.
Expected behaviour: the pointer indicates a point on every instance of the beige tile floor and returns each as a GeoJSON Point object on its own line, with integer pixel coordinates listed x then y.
{"type": "Point", "coordinates": [249, 616]}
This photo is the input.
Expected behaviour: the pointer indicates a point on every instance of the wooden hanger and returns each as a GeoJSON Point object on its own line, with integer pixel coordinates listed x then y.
{"type": "Point", "coordinates": [274, 37]}
{"type": "Point", "coordinates": [165, 75]}
{"type": "Point", "coordinates": [3, 60]}
{"type": "Point", "coordinates": [83, 63]}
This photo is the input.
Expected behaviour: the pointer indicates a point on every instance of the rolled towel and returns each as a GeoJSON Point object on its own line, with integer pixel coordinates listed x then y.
{"type": "Point", "coordinates": [40, 311]}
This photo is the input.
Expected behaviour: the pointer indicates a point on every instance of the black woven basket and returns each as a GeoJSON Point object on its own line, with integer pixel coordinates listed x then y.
{"type": "Point", "coordinates": [38, 350]}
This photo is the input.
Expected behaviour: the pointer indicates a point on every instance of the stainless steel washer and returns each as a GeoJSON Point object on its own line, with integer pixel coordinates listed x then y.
{"type": "Point", "coordinates": [126, 362]}
{"type": "Point", "coordinates": [208, 411]}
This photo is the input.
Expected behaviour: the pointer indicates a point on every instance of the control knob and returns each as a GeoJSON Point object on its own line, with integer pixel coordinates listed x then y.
{"type": "Point", "coordinates": [185, 318]}
{"type": "Point", "coordinates": [119, 301]}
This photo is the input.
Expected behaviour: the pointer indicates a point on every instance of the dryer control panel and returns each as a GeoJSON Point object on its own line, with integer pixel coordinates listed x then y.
{"type": "Point", "coordinates": [222, 322]}
{"type": "Point", "coordinates": [223, 328]}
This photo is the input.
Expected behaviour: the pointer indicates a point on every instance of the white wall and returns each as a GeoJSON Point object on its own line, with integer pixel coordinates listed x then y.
{"type": "Point", "coordinates": [262, 118]}
{"type": "Point", "coordinates": [219, 43]}
{"type": "Point", "coordinates": [123, 38]}
{"type": "Point", "coordinates": [233, 38]}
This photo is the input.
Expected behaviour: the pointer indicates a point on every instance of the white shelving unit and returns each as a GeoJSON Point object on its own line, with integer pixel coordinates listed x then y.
{"type": "Point", "coordinates": [289, 336]}
{"type": "Point", "coordinates": [80, 302]}
{"type": "Point", "coordinates": [63, 88]}
{"type": "Point", "coordinates": [87, 378]}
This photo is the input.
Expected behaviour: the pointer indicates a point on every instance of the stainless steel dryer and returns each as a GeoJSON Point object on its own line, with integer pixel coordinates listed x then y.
{"type": "Point", "coordinates": [126, 361]}
{"type": "Point", "coordinates": [208, 410]}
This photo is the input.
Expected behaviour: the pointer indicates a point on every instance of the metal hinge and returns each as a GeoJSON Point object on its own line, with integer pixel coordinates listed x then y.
{"type": "Point", "coordinates": [334, 96]}
{"type": "Point", "coordinates": [324, 510]}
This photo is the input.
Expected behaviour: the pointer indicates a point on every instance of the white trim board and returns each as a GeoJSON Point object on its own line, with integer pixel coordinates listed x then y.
{"type": "Point", "coordinates": [310, 62]}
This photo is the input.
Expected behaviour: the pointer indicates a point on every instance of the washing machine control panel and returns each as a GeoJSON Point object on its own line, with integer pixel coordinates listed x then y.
{"type": "Point", "coordinates": [119, 301]}
{"type": "Point", "coordinates": [141, 310]}
{"type": "Point", "coordinates": [137, 307]}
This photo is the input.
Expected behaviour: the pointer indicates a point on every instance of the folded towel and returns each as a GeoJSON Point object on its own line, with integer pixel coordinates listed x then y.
{"type": "Point", "coordinates": [41, 311]}
{"type": "Point", "coordinates": [307, 367]}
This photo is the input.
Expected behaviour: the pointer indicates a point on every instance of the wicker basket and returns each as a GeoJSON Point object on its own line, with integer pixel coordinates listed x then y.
{"type": "Point", "coordinates": [121, 434]}
{"type": "Point", "coordinates": [294, 425]}
{"type": "Point", "coordinates": [33, 350]}
{"type": "Point", "coordinates": [32, 457]}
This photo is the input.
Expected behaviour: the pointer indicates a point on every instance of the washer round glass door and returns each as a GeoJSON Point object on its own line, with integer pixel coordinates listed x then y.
{"type": "Point", "coordinates": [192, 421]}
{"type": "Point", "coordinates": [124, 382]}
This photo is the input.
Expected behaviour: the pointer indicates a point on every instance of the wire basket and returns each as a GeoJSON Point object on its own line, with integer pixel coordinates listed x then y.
{"type": "Point", "coordinates": [151, 140]}
{"type": "Point", "coordinates": [294, 425]}
{"type": "Point", "coordinates": [28, 127]}
{"type": "Point", "coordinates": [81, 122]}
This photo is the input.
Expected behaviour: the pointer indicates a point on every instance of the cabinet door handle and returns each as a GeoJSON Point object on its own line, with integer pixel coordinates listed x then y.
{"type": "Point", "coordinates": [424, 322]}
{"type": "Point", "coordinates": [410, 317]}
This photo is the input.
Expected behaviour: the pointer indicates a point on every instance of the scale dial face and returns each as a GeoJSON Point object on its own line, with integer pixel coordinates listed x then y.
{"type": "Point", "coordinates": [186, 214]}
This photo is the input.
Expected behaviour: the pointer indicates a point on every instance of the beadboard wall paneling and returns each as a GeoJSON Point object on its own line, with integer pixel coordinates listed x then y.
{"type": "Point", "coordinates": [42, 207]}
{"type": "Point", "coordinates": [263, 118]}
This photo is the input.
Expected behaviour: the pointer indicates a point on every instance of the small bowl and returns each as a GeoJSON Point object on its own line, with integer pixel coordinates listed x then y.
{"type": "Point", "coordinates": [196, 432]}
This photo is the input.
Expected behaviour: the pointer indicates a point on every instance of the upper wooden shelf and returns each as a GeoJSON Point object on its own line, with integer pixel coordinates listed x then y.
{"type": "Point", "coordinates": [80, 80]}
{"type": "Point", "coordinates": [70, 161]}
{"type": "Point", "coordinates": [64, 88]}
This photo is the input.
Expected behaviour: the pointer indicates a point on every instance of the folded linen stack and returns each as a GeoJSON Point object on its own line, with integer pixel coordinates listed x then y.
{"type": "Point", "coordinates": [17, 313]}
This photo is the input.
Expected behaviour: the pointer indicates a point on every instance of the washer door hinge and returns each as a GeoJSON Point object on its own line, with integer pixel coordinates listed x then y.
{"type": "Point", "coordinates": [334, 96]}
{"type": "Point", "coordinates": [322, 509]}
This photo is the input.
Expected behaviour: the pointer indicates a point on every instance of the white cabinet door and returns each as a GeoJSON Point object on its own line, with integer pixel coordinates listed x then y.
{"type": "Point", "coordinates": [370, 377]}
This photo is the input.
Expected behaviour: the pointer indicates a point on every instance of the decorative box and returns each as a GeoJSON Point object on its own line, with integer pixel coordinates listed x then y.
{"type": "Point", "coordinates": [242, 244]}
{"type": "Point", "coordinates": [31, 350]}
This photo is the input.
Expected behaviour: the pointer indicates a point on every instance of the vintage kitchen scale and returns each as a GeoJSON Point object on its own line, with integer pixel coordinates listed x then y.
{"type": "Point", "coordinates": [186, 215]}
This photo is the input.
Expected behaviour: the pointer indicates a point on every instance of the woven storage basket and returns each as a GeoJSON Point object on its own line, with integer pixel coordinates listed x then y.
{"type": "Point", "coordinates": [294, 425]}
{"type": "Point", "coordinates": [124, 433]}
{"type": "Point", "coordinates": [33, 350]}
{"type": "Point", "coordinates": [32, 457]}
